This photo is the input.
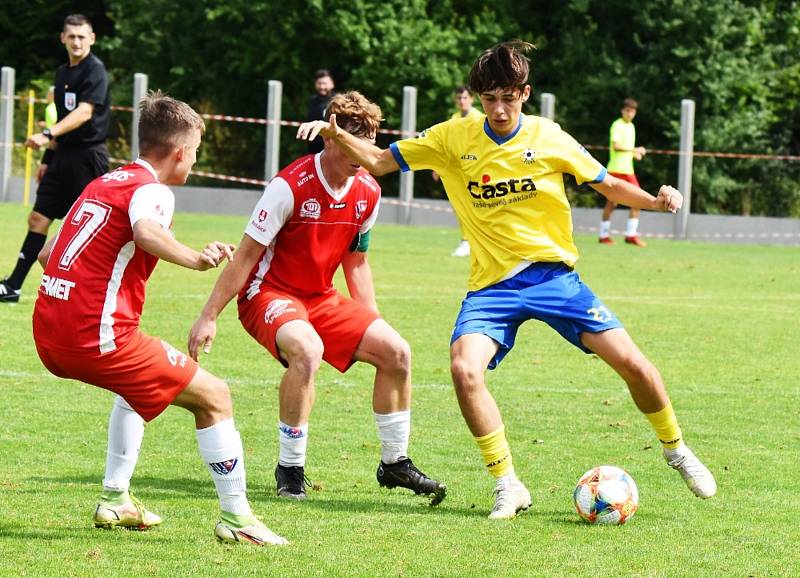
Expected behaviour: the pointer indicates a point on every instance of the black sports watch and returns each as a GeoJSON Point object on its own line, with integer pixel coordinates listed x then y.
{"type": "Point", "coordinates": [46, 132]}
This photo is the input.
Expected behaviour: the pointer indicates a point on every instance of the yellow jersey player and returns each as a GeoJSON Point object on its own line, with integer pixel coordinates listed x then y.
{"type": "Point", "coordinates": [504, 177]}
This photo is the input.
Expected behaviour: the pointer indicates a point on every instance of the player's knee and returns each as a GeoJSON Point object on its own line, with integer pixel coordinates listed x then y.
{"type": "Point", "coordinates": [641, 371]}
{"type": "Point", "coordinates": [466, 375]}
{"type": "Point", "coordinates": [398, 356]}
{"type": "Point", "coordinates": [217, 398]}
{"type": "Point", "coordinates": [306, 355]}
{"type": "Point", "coordinates": [37, 222]}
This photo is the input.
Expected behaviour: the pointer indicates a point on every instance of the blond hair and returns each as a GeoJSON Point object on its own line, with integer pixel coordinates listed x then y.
{"type": "Point", "coordinates": [164, 122]}
{"type": "Point", "coordinates": [355, 113]}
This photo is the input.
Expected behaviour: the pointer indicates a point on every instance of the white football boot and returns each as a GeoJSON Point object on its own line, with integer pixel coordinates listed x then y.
{"type": "Point", "coordinates": [256, 534]}
{"type": "Point", "coordinates": [131, 515]}
{"type": "Point", "coordinates": [699, 479]}
{"type": "Point", "coordinates": [510, 497]}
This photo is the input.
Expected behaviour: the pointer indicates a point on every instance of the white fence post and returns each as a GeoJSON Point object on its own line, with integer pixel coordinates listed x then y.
{"type": "Point", "coordinates": [139, 92]}
{"type": "Point", "coordinates": [685, 167]}
{"type": "Point", "coordinates": [408, 127]}
{"type": "Point", "coordinates": [272, 153]}
{"type": "Point", "coordinates": [548, 107]}
{"type": "Point", "coordinates": [6, 128]}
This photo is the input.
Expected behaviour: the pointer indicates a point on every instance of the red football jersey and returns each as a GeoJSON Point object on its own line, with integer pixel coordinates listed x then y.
{"type": "Point", "coordinates": [93, 287]}
{"type": "Point", "coordinates": [307, 227]}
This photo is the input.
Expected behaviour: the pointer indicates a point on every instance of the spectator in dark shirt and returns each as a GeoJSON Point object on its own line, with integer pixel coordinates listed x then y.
{"type": "Point", "coordinates": [323, 84]}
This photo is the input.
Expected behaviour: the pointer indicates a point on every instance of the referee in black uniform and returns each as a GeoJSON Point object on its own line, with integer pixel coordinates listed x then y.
{"type": "Point", "coordinates": [76, 152]}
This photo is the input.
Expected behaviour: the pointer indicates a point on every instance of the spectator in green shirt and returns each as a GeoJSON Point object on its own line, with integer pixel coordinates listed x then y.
{"type": "Point", "coordinates": [621, 154]}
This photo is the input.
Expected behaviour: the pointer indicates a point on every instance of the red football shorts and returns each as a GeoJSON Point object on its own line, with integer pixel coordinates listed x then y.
{"type": "Point", "coordinates": [147, 372]}
{"type": "Point", "coordinates": [629, 178]}
{"type": "Point", "coordinates": [340, 322]}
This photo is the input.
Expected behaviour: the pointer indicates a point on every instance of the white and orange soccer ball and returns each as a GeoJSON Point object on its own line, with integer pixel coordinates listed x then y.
{"type": "Point", "coordinates": [606, 495]}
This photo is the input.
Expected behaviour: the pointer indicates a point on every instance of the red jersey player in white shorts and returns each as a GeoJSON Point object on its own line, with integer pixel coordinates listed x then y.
{"type": "Point", "coordinates": [314, 216]}
{"type": "Point", "coordinates": [86, 320]}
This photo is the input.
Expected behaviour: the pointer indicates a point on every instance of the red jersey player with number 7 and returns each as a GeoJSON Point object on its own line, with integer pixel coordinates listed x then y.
{"type": "Point", "coordinates": [86, 320]}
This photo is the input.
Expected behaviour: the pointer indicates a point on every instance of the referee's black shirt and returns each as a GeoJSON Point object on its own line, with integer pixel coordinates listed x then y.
{"type": "Point", "coordinates": [85, 82]}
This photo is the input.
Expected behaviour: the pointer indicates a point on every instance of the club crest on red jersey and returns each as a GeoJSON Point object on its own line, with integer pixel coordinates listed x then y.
{"type": "Point", "coordinates": [361, 208]}
{"type": "Point", "coordinates": [310, 209]}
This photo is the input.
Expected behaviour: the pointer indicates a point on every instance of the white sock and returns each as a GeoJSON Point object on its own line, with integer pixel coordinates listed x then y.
{"type": "Point", "coordinates": [292, 441]}
{"type": "Point", "coordinates": [221, 448]}
{"type": "Point", "coordinates": [125, 433]}
{"type": "Point", "coordinates": [605, 229]}
{"type": "Point", "coordinates": [633, 225]}
{"type": "Point", "coordinates": [394, 430]}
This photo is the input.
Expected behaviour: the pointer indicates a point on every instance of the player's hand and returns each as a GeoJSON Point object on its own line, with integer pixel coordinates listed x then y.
{"type": "Point", "coordinates": [40, 173]}
{"type": "Point", "coordinates": [214, 253]}
{"type": "Point", "coordinates": [310, 130]}
{"type": "Point", "coordinates": [639, 152]}
{"type": "Point", "coordinates": [36, 141]}
{"type": "Point", "coordinates": [202, 335]}
{"type": "Point", "coordinates": [669, 199]}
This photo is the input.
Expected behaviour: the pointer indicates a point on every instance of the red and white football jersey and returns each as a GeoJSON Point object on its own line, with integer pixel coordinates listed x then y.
{"type": "Point", "coordinates": [306, 228]}
{"type": "Point", "coordinates": [93, 287]}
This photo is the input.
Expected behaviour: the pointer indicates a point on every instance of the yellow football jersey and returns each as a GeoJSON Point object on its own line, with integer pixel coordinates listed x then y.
{"type": "Point", "coordinates": [508, 192]}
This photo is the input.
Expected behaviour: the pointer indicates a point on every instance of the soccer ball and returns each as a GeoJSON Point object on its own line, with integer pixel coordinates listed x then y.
{"type": "Point", "coordinates": [606, 495]}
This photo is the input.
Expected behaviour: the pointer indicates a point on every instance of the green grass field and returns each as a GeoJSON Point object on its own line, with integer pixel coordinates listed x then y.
{"type": "Point", "coordinates": [720, 321]}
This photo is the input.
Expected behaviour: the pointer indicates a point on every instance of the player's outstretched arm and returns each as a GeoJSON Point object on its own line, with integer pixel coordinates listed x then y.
{"type": "Point", "coordinates": [228, 284]}
{"type": "Point", "coordinates": [624, 193]}
{"type": "Point", "coordinates": [153, 238]}
{"type": "Point", "coordinates": [376, 160]}
{"type": "Point", "coordinates": [358, 275]}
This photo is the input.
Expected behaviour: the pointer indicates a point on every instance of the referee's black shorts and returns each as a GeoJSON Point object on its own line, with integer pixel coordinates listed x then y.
{"type": "Point", "coordinates": [71, 169]}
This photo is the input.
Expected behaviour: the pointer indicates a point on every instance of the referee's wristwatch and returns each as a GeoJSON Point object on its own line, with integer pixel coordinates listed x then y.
{"type": "Point", "coordinates": [46, 132]}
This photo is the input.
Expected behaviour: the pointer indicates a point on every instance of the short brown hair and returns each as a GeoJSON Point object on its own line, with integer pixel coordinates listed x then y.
{"type": "Point", "coordinates": [355, 113]}
{"type": "Point", "coordinates": [163, 121]}
{"type": "Point", "coordinates": [630, 103]}
{"type": "Point", "coordinates": [503, 65]}
{"type": "Point", "coordinates": [76, 20]}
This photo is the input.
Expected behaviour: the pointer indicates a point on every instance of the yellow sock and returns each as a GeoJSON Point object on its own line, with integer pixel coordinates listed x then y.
{"type": "Point", "coordinates": [666, 425]}
{"type": "Point", "coordinates": [496, 453]}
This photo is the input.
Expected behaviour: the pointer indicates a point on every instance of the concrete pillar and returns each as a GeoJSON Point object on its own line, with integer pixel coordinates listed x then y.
{"type": "Point", "coordinates": [272, 154]}
{"type": "Point", "coordinates": [139, 92]}
{"type": "Point", "coordinates": [548, 107]}
{"type": "Point", "coordinates": [409, 127]}
{"type": "Point", "coordinates": [685, 168]}
{"type": "Point", "coordinates": [6, 128]}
